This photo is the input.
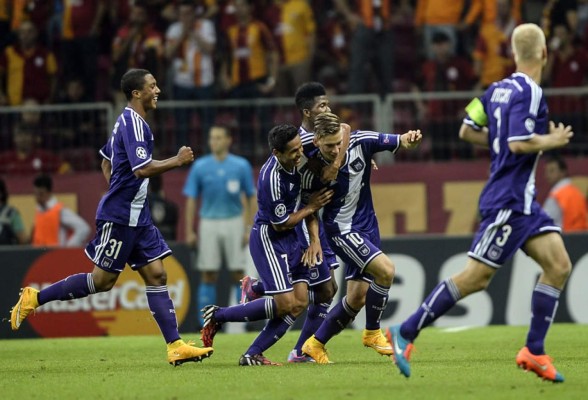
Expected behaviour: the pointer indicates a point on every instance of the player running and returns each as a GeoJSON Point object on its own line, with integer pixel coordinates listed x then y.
{"type": "Point", "coordinates": [511, 120]}
{"type": "Point", "coordinates": [125, 231]}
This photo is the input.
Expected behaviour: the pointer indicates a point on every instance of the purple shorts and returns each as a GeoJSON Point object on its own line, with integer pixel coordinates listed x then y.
{"type": "Point", "coordinates": [116, 245]}
{"type": "Point", "coordinates": [503, 232]}
{"type": "Point", "coordinates": [320, 273]}
{"type": "Point", "coordinates": [277, 256]}
{"type": "Point", "coordinates": [356, 249]}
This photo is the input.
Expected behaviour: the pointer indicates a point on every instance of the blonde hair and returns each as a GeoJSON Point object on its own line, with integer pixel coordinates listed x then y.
{"type": "Point", "coordinates": [326, 124]}
{"type": "Point", "coordinates": [528, 42]}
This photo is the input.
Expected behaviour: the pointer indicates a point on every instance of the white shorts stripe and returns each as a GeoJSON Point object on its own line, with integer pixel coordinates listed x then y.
{"type": "Point", "coordinates": [272, 258]}
{"type": "Point", "coordinates": [349, 251]}
{"type": "Point", "coordinates": [104, 237]}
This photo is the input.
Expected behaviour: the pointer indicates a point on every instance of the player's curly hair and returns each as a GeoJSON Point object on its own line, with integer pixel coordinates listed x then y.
{"type": "Point", "coordinates": [280, 135]}
{"type": "Point", "coordinates": [133, 79]}
{"type": "Point", "coordinates": [326, 124]}
{"type": "Point", "coordinates": [306, 93]}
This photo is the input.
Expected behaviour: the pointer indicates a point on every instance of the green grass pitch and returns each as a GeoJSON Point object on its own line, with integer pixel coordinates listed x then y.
{"type": "Point", "coordinates": [475, 363]}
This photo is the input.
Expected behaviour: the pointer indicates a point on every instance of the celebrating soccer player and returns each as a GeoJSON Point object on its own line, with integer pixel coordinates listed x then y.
{"type": "Point", "coordinates": [125, 231]}
{"type": "Point", "coordinates": [511, 120]}
{"type": "Point", "coordinates": [352, 230]}
{"type": "Point", "coordinates": [275, 249]}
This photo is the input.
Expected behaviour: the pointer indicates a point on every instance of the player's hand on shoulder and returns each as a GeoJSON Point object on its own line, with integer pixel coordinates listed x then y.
{"type": "Point", "coordinates": [561, 132]}
{"type": "Point", "coordinates": [329, 173]}
{"type": "Point", "coordinates": [185, 155]}
{"type": "Point", "coordinates": [320, 198]}
{"type": "Point", "coordinates": [411, 139]}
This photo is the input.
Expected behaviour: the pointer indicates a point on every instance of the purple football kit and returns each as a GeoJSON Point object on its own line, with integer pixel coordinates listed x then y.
{"type": "Point", "coordinates": [277, 255]}
{"type": "Point", "coordinates": [513, 109]}
{"type": "Point", "coordinates": [321, 272]}
{"type": "Point", "coordinates": [349, 220]}
{"type": "Point", "coordinates": [124, 229]}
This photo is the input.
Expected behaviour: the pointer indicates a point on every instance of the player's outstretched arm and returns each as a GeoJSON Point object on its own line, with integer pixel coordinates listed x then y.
{"type": "Point", "coordinates": [477, 137]}
{"type": "Point", "coordinates": [411, 139]}
{"type": "Point", "coordinates": [317, 200]}
{"type": "Point", "coordinates": [558, 136]}
{"type": "Point", "coordinates": [155, 167]}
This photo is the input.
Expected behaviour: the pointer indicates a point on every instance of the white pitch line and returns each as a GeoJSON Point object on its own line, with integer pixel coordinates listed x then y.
{"type": "Point", "coordinates": [456, 329]}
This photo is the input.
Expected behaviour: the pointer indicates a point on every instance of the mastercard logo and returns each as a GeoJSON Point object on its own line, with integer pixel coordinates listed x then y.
{"type": "Point", "coordinates": [121, 311]}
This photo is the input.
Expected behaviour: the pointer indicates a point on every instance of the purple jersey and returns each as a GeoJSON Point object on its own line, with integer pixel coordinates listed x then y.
{"type": "Point", "coordinates": [351, 207]}
{"type": "Point", "coordinates": [514, 109]}
{"type": "Point", "coordinates": [278, 193]}
{"type": "Point", "coordinates": [306, 137]}
{"type": "Point", "coordinates": [128, 149]}
{"type": "Point", "coordinates": [318, 274]}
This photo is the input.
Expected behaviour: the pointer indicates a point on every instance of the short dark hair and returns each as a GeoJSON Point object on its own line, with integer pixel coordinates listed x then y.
{"type": "Point", "coordinates": [44, 182]}
{"type": "Point", "coordinates": [306, 93]}
{"type": "Point", "coordinates": [280, 135]}
{"type": "Point", "coordinates": [561, 164]}
{"type": "Point", "coordinates": [3, 192]}
{"type": "Point", "coordinates": [133, 79]}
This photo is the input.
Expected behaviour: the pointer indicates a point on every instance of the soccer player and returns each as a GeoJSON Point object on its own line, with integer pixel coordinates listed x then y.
{"type": "Point", "coordinates": [125, 232]}
{"type": "Point", "coordinates": [311, 100]}
{"type": "Point", "coordinates": [352, 230]}
{"type": "Point", "coordinates": [275, 249]}
{"type": "Point", "coordinates": [511, 120]}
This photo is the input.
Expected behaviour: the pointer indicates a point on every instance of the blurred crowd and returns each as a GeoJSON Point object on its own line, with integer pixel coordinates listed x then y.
{"type": "Point", "coordinates": [75, 51]}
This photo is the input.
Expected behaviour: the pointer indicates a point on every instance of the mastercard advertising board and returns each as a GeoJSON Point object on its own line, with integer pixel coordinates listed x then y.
{"type": "Point", "coordinates": [121, 311]}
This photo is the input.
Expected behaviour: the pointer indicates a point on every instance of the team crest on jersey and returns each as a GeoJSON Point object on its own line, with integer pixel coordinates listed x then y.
{"type": "Point", "coordinates": [314, 274]}
{"type": "Point", "coordinates": [357, 165]}
{"type": "Point", "coordinates": [495, 252]}
{"type": "Point", "coordinates": [290, 277]}
{"type": "Point", "coordinates": [530, 125]}
{"type": "Point", "coordinates": [386, 138]}
{"type": "Point", "coordinates": [280, 210]}
{"type": "Point", "coordinates": [364, 250]}
{"type": "Point", "coordinates": [106, 262]}
{"type": "Point", "coordinates": [141, 153]}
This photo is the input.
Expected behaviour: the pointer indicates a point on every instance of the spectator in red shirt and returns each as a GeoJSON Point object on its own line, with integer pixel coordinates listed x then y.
{"type": "Point", "coordinates": [567, 66]}
{"type": "Point", "coordinates": [29, 69]}
{"type": "Point", "coordinates": [26, 158]}
{"type": "Point", "coordinates": [81, 26]}
{"type": "Point", "coordinates": [251, 72]}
